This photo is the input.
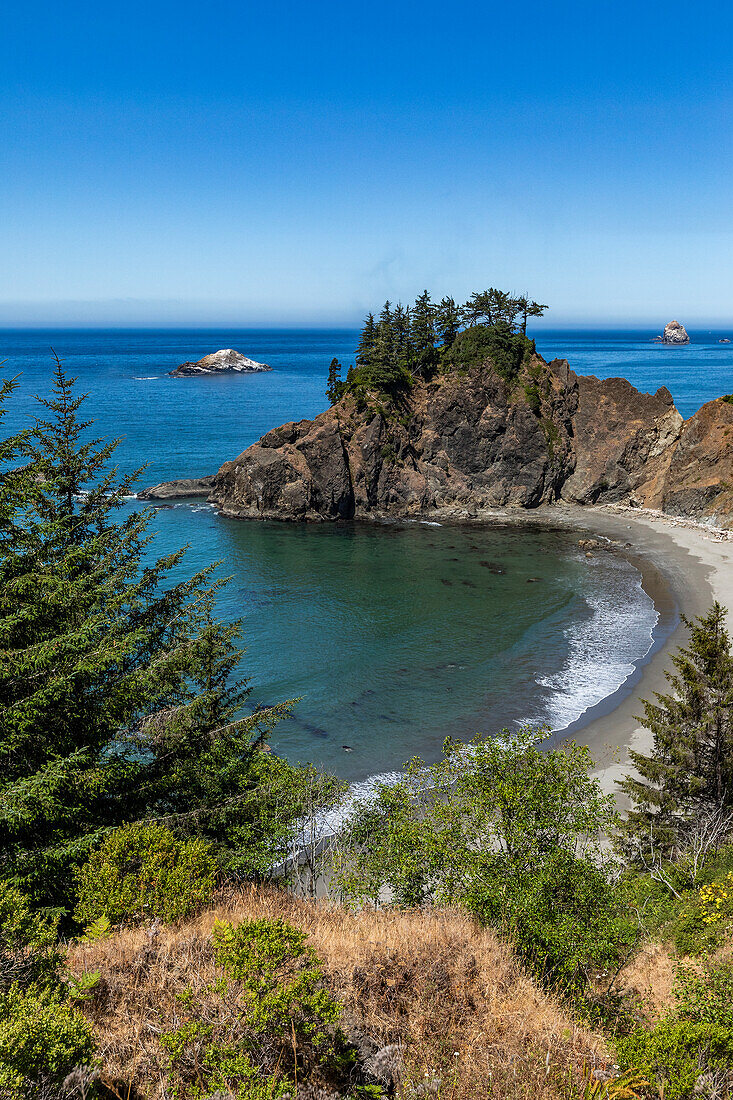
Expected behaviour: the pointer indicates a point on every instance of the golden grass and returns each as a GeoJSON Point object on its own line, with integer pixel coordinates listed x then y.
{"type": "Point", "coordinates": [449, 991]}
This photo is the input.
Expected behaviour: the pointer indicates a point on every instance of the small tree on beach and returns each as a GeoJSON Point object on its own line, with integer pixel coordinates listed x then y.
{"type": "Point", "coordinates": [689, 772]}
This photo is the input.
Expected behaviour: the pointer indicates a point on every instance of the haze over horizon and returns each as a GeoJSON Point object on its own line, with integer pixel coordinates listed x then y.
{"type": "Point", "coordinates": [231, 165]}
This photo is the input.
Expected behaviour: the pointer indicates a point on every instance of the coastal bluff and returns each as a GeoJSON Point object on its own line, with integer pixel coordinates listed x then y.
{"type": "Point", "coordinates": [468, 440]}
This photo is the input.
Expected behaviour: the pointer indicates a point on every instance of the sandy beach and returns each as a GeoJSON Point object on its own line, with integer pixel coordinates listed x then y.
{"type": "Point", "coordinates": [695, 564]}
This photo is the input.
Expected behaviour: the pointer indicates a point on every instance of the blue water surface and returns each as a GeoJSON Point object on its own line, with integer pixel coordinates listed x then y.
{"type": "Point", "coordinates": [388, 638]}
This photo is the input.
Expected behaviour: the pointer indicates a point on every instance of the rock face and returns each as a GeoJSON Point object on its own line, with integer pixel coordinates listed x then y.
{"type": "Point", "coordinates": [465, 444]}
{"type": "Point", "coordinates": [699, 483]}
{"type": "Point", "coordinates": [622, 442]}
{"type": "Point", "coordinates": [675, 333]}
{"type": "Point", "coordinates": [174, 490]}
{"type": "Point", "coordinates": [469, 441]}
{"type": "Point", "coordinates": [226, 361]}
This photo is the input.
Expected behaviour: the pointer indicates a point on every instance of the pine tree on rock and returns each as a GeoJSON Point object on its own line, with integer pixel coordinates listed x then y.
{"type": "Point", "coordinates": [448, 318]}
{"type": "Point", "coordinates": [422, 318]}
{"type": "Point", "coordinates": [334, 387]}
{"type": "Point", "coordinates": [689, 770]}
{"type": "Point", "coordinates": [367, 342]}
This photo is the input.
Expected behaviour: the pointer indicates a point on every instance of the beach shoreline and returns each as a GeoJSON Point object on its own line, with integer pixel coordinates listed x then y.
{"type": "Point", "coordinates": [684, 566]}
{"type": "Point", "coordinates": [695, 563]}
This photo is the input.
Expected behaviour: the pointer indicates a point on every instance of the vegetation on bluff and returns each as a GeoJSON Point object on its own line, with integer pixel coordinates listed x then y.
{"type": "Point", "coordinates": [479, 890]}
{"type": "Point", "coordinates": [406, 343]}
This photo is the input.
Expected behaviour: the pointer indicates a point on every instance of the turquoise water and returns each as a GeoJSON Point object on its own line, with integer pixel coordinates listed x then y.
{"type": "Point", "coordinates": [389, 638]}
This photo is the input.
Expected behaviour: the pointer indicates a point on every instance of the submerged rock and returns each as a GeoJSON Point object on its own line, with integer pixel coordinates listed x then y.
{"type": "Point", "coordinates": [226, 361]}
{"type": "Point", "coordinates": [675, 333]}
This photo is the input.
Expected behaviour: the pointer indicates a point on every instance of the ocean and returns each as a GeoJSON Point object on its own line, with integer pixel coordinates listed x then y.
{"type": "Point", "coordinates": [388, 639]}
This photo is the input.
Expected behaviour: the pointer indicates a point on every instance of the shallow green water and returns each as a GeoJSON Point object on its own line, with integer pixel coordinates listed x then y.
{"type": "Point", "coordinates": [393, 637]}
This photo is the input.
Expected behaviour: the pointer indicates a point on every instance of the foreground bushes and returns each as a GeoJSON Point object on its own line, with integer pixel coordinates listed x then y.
{"type": "Point", "coordinates": [266, 1023]}
{"type": "Point", "coordinates": [143, 870]}
{"type": "Point", "coordinates": [691, 1049]}
{"type": "Point", "coordinates": [42, 1040]}
{"type": "Point", "coordinates": [512, 832]}
{"type": "Point", "coordinates": [43, 1037]}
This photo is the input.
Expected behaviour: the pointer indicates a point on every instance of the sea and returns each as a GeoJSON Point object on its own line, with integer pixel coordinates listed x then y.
{"type": "Point", "coordinates": [386, 638]}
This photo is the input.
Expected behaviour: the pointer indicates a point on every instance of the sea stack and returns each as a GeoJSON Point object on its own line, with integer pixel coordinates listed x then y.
{"type": "Point", "coordinates": [225, 361]}
{"type": "Point", "coordinates": [675, 333]}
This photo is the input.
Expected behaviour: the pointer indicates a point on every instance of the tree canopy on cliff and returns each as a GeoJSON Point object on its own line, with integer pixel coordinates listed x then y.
{"type": "Point", "coordinates": [409, 342]}
{"type": "Point", "coordinates": [119, 698]}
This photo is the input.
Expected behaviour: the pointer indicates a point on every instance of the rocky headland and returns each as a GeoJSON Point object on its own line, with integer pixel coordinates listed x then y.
{"type": "Point", "coordinates": [469, 440]}
{"type": "Point", "coordinates": [675, 333]}
{"type": "Point", "coordinates": [225, 361]}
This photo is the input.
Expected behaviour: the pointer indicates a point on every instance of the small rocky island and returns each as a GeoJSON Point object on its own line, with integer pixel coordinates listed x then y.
{"type": "Point", "coordinates": [675, 333]}
{"type": "Point", "coordinates": [479, 422]}
{"type": "Point", "coordinates": [225, 361]}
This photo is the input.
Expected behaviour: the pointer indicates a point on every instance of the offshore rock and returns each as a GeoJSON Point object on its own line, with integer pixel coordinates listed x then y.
{"type": "Point", "coordinates": [675, 333]}
{"type": "Point", "coordinates": [174, 490]}
{"type": "Point", "coordinates": [226, 361]}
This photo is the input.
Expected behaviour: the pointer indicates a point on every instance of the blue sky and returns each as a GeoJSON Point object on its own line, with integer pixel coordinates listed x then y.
{"type": "Point", "coordinates": [299, 163]}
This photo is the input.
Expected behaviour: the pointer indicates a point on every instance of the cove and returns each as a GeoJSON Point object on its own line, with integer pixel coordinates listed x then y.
{"type": "Point", "coordinates": [392, 637]}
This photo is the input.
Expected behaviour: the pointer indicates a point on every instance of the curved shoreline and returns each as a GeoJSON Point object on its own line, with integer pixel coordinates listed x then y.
{"type": "Point", "coordinates": [695, 566]}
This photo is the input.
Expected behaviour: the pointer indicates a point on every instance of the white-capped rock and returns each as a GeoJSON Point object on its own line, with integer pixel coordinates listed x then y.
{"type": "Point", "coordinates": [225, 361]}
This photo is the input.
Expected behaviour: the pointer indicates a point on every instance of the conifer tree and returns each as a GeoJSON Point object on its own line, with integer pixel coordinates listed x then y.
{"type": "Point", "coordinates": [367, 342]}
{"type": "Point", "coordinates": [527, 308]}
{"type": "Point", "coordinates": [689, 770]}
{"type": "Point", "coordinates": [334, 386]}
{"type": "Point", "coordinates": [422, 325]}
{"type": "Point", "coordinates": [448, 319]}
{"type": "Point", "coordinates": [402, 339]}
{"type": "Point", "coordinates": [115, 701]}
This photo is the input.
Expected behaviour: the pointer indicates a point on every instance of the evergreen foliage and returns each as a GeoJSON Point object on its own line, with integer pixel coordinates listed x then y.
{"type": "Point", "coordinates": [43, 1039]}
{"type": "Point", "coordinates": [334, 387]}
{"type": "Point", "coordinates": [689, 771]}
{"type": "Point", "coordinates": [118, 694]}
{"type": "Point", "coordinates": [406, 343]}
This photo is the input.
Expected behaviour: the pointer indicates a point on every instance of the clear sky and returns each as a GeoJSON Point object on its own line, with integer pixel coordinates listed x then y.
{"type": "Point", "coordinates": [270, 162]}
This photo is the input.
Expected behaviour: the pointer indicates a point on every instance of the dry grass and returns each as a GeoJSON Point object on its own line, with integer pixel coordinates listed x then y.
{"type": "Point", "coordinates": [432, 981]}
{"type": "Point", "coordinates": [650, 974]}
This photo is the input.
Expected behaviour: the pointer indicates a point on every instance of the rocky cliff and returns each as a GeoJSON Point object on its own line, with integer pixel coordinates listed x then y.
{"type": "Point", "coordinates": [471, 440]}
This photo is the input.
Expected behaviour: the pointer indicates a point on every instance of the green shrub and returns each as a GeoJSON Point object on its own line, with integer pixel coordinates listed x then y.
{"type": "Point", "coordinates": [693, 1040]}
{"type": "Point", "coordinates": [42, 1040]}
{"type": "Point", "coordinates": [28, 951]}
{"type": "Point", "coordinates": [280, 976]}
{"type": "Point", "coordinates": [564, 919]}
{"type": "Point", "coordinates": [143, 870]}
{"type": "Point", "coordinates": [266, 1023]}
{"type": "Point", "coordinates": [676, 1053]}
{"type": "Point", "coordinates": [507, 350]}
{"type": "Point", "coordinates": [707, 995]}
